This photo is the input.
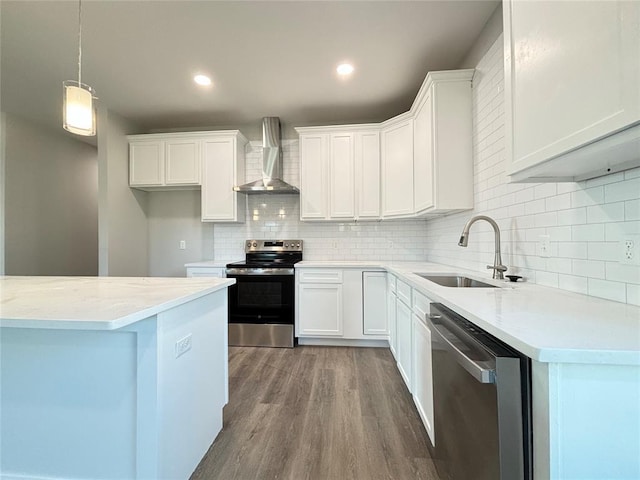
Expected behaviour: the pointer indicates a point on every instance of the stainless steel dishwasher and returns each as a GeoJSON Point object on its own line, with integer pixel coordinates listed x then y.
{"type": "Point", "coordinates": [482, 398]}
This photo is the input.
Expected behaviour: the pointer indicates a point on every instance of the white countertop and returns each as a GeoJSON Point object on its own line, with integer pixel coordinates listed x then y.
{"type": "Point", "coordinates": [546, 324]}
{"type": "Point", "coordinates": [95, 303]}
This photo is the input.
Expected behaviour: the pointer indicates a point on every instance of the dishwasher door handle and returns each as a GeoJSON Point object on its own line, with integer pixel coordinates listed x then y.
{"type": "Point", "coordinates": [482, 371]}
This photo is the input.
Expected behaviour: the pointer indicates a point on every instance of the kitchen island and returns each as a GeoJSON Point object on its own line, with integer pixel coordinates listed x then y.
{"type": "Point", "coordinates": [106, 378]}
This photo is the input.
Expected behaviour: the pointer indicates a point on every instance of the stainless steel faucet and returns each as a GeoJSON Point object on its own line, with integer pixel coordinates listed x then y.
{"type": "Point", "coordinates": [497, 267]}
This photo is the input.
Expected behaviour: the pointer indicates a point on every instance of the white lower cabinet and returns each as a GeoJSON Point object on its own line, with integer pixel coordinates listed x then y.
{"type": "Point", "coordinates": [422, 363]}
{"type": "Point", "coordinates": [374, 303]}
{"type": "Point", "coordinates": [349, 304]}
{"type": "Point", "coordinates": [320, 309]}
{"type": "Point", "coordinates": [422, 374]}
{"type": "Point", "coordinates": [404, 344]}
{"type": "Point", "coordinates": [392, 299]}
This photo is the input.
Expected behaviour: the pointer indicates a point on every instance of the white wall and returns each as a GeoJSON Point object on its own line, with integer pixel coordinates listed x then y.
{"type": "Point", "coordinates": [585, 220]}
{"type": "Point", "coordinates": [50, 201]}
{"type": "Point", "coordinates": [123, 229]}
{"type": "Point", "coordinates": [175, 216]}
{"type": "Point", "coordinates": [2, 162]}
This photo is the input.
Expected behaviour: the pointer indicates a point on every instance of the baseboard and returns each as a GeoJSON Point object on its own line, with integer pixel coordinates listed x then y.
{"type": "Point", "coordinates": [342, 342]}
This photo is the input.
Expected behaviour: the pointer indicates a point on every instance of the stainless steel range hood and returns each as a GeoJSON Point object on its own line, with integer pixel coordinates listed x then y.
{"type": "Point", "coordinates": [271, 181]}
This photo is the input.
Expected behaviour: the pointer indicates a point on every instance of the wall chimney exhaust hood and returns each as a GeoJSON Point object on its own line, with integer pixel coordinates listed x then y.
{"type": "Point", "coordinates": [271, 181]}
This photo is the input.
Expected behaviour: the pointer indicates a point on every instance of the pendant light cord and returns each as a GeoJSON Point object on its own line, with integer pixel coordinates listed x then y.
{"type": "Point", "coordinates": [79, 42]}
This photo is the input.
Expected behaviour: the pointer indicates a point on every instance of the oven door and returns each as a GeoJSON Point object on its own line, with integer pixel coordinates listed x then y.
{"type": "Point", "coordinates": [262, 299]}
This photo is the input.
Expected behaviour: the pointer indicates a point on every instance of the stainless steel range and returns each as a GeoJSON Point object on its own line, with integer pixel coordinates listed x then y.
{"type": "Point", "coordinates": [262, 302]}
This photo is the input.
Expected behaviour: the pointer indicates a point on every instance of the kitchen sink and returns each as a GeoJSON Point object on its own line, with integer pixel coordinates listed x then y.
{"type": "Point", "coordinates": [454, 281]}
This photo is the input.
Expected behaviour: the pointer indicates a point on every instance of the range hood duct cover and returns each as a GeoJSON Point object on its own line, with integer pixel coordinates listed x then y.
{"type": "Point", "coordinates": [271, 181]}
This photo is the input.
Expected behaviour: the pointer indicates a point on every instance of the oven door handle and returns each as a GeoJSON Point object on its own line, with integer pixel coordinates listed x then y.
{"type": "Point", "coordinates": [259, 271]}
{"type": "Point", "coordinates": [482, 371]}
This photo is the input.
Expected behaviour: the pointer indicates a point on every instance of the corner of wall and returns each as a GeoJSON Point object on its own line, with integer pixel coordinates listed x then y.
{"type": "Point", "coordinates": [122, 212]}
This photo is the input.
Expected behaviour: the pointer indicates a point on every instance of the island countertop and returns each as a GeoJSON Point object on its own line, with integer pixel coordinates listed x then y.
{"type": "Point", "coordinates": [95, 303]}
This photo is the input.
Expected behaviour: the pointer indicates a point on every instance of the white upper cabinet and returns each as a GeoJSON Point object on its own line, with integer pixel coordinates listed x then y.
{"type": "Point", "coordinates": [212, 161]}
{"type": "Point", "coordinates": [572, 85]}
{"type": "Point", "coordinates": [182, 165]}
{"type": "Point", "coordinates": [146, 162]}
{"type": "Point", "coordinates": [442, 144]}
{"type": "Point", "coordinates": [339, 173]}
{"type": "Point", "coordinates": [397, 167]}
{"type": "Point", "coordinates": [223, 167]}
{"type": "Point", "coordinates": [313, 176]}
{"type": "Point", "coordinates": [164, 162]}
{"type": "Point", "coordinates": [419, 163]}
{"type": "Point", "coordinates": [367, 171]}
{"type": "Point", "coordinates": [341, 176]}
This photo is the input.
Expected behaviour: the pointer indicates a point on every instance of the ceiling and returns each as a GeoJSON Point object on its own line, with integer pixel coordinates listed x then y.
{"type": "Point", "coordinates": [265, 58]}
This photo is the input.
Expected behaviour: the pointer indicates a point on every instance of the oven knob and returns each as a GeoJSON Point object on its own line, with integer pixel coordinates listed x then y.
{"type": "Point", "coordinates": [298, 245]}
{"type": "Point", "coordinates": [255, 244]}
{"type": "Point", "coordinates": [286, 245]}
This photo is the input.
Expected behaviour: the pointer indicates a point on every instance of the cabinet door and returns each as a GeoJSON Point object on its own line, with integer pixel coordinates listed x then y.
{"type": "Point", "coordinates": [182, 162]}
{"type": "Point", "coordinates": [367, 174]}
{"type": "Point", "coordinates": [572, 71]}
{"type": "Point", "coordinates": [320, 309]}
{"type": "Point", "coordinates": [423, 375]}
{"type": "Point", "coordinates": [391, 318]}
{"type": "Point", "coordinates": [313, 176]}
{"type": "Point", "coordinates": [341, 176]}
{"type": "Point", "coordinates": [219, 163]}
{"type": "Point", "coordinates": [423, 166]}
{"type": "Point", "coordinates": [374, 285]}
{"type": "Point", "coordinates": [397, 169]}
{"type": "Point", "coordinates": [146, 163]}
{"type": "Point", "coordinates": [404, 344]}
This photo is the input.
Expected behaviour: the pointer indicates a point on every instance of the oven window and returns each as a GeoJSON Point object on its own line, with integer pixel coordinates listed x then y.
{"type": "Point", "coordinates": [260, 294]}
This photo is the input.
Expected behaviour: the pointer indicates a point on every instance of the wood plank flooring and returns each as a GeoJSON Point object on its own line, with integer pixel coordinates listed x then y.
{"type": "Point", "coordinates": [317, 413]}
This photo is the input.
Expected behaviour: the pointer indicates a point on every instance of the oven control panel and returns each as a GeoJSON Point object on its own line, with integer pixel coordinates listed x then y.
{"type": "Point", "coordinates": [273, 246]}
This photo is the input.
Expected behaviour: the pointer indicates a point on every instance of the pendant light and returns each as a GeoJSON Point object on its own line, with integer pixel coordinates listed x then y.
{"type": "Point", "coordinates": [79, 115]}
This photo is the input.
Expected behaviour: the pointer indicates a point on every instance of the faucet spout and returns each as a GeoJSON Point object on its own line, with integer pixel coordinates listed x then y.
{"type": "Point", "coordinates": [497, 267]}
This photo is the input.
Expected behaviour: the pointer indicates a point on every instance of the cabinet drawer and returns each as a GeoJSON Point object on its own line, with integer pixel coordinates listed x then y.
{"type": "Point", "coordinates": [391, 283]}
{"type": "Point", "coordinates": [420, 305]}
{"type": "Point", "coordinates": [205, 272]}
{"type": "Point", "coordinates": [404, 292]}
{"type": "Point", "coordinates": [320, 276]}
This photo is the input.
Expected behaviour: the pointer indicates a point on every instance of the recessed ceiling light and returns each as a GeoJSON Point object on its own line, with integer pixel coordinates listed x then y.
{"type": "Point", "coordinates": [202, 80]}
{"type": "Point", "coordinates": [345, 69]}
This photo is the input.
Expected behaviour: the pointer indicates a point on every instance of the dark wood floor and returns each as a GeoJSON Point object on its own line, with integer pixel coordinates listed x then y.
{"type": "Point", "coordinates": [317, 413]}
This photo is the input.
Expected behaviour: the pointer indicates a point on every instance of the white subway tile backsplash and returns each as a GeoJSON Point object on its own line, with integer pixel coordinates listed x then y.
{"type": "Point", "coordinates": [608, 212]}
{"type": "Point", "coordinates": [588, 233]}
{"type": "Point", "coordinates": [588, 196]}
{"type": "Point", "coordinates": [573, 283]}
{"type": "Point", "coordinates": [633, 294]}
{"type": "Point", "coordinates": [574, 216]}
{"type": "Point", "coordinates": [588, 268]}
{"type": "Point", "coordinates": [632, 209]}
{"type": "Point", "coordinates": [607, 251]}
{"type": "Point", "coordinates": [584, 220]}
{"type": "Point", "coordinates": [545, 190]}
{"type": "Point", "coordinates": [625, 190]}
{"type": "Point", "coordinates": [615, 291]}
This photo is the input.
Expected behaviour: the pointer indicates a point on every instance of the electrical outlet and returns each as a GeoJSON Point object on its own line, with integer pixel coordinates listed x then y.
{"type": "Point", "coordinates": [183, 244]}
{"type": "Point", "coordinates": [335, 245]}
{"type": "Point", "coordinates": [390, 245]}
{"type": "Point", "coordinates": [630, 250]}
{"type": "Point", "coordinates": [183, 345]}
{"type": "Point", "coordinates": [544, 246]}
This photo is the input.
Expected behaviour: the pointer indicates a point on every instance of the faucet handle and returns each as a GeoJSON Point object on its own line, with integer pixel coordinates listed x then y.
{"type": "Point", "coordinates": [498, 268]}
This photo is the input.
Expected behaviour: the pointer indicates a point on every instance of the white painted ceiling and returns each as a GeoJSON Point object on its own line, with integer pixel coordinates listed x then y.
{"type": "Point", "coordinates": [265, 58]}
